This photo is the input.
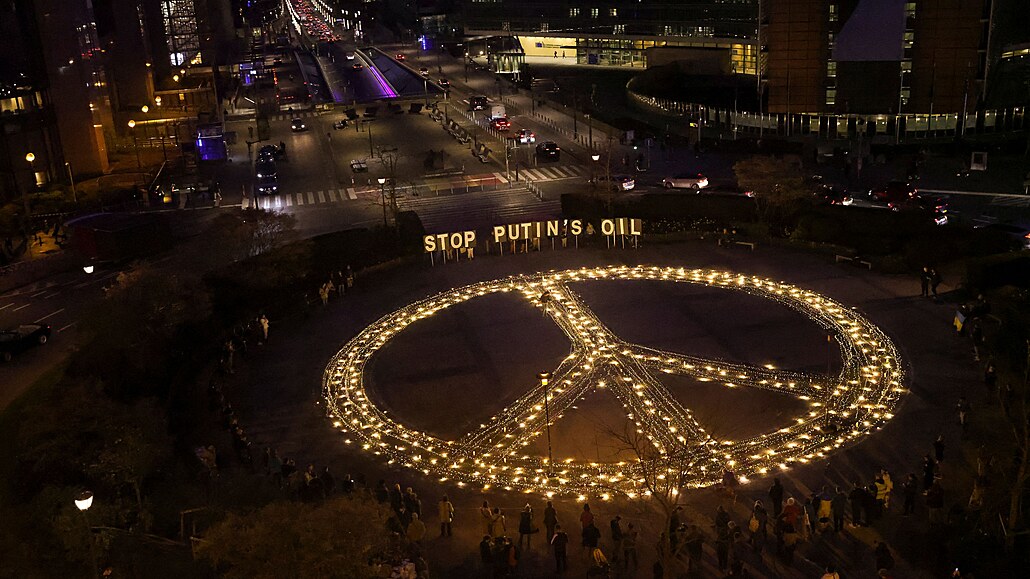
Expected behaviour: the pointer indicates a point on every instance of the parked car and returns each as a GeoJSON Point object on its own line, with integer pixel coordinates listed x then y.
{"type": "Point", "coordinates": [400, 56]}
{"type": "Point", "coordinates": [500, 124]}
{"type": "Point", "coordinates": [525, 136]}
{"type": "Point", "coordinates": [16, 340]}
{"type": "Point", "coordinates": [478, 103]}
{"type": "Point", "coordinates": [620, 182]}
{"type": "Point", "coordinates": [695, 181]}
{"type": "Point", "coordinates": [444, 83]}
{"type": "Point", "coordinates": [1018, 233]}
{"type": "Point", "coordinates": [340, 124]}
{"type": "Point", "coordinates": [895, 192]}
{"type": "Point", "coordinates": [297, 125]}
{"type": "Point", "coordinates": [424, 72]}
{"type": "Point", "coordinates": [357, 66]}
{"type": "Point", "coordinates": [548, 151]}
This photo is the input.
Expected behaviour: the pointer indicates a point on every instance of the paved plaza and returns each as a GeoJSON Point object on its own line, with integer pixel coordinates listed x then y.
{"type": "Point", "coordinates": [450, 373]}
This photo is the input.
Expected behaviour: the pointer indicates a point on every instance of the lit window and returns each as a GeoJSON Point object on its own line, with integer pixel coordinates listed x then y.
{"type": "Point", "coordinates": [594, 12]}
{"type": "Point", "coordinates": [613, 12]}
{"type": "Point", "coordinates": [831, 96]}
{"type": "Point", "coordinates": [619, 29]}
{"type": "Point", "coordinates": [573, 12]}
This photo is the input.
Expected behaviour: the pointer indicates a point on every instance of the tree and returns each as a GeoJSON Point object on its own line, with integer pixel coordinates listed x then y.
{"type": "Point", "coordinates": [233, 237]}
{"type": "Point", "coordinates": [778, 186]}
{"type": "Point", "coordinates": [289, 539]}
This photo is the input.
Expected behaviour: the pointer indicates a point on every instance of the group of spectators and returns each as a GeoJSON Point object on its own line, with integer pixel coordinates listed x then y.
{"type": "Point", "coordinates": [341, 281]}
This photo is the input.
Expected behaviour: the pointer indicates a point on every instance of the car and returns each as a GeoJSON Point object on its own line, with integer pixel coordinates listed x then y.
{"type": "Point", "coordinates": [399, 56]}
{"type": "Point", "coordinates": [619, 182]}
{"type": "Point", "coordinates": [298, 125]}
{"type": "Point", "coordinates": [478, 103]}
{"type": "Point", "coordinates": [340, 124]}
{"type": "Point", "coordinates": [500, 124]}
{"type": "Point", "coordinates": [695, 181]}
{"type": "Point", "coordinates": [444, 83]}
{"type": "Point", "coordinates": [269, 153]}
{"type": "Point", "coordinates": [424, 71]}
{"type": "Point", "coordinates": [548, 151]}
{"type": "Point", "coordinates": [525, 136]}
{"type": "Point", "coordinates": [1018, 233]}
{"type": "Point", "coordinates": [357, 66]}
{"type": "Point", "coordinates": [895, 192]}
{"type": "Point", "coordinates": [265, 169]}
{"type": "Point", "coordinates": [350, 55]}
{"type": "Point", "coordinates": [16, 340]}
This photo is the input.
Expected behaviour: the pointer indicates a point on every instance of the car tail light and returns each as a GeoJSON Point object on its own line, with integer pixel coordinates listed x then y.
{"type": "Point", "coordinates": [1027, 236]}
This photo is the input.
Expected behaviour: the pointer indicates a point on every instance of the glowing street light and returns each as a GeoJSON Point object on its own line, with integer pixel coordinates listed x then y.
{"type": "Point", "coordinates": [145, 109]}
{"type": "Point", "coordinates": [382, 192]}
{"type": "Point", "coordinates": [83, 502]}
{"type": "Point", "coordinates": [135, 145]}
{"type": "Point", "coordinates": [85, 499]}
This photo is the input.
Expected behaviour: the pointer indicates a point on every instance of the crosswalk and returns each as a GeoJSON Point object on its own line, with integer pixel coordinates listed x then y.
{"type": "Point", "coordinates": [293, 115]}
{"type": "Point", "coordinates": [1011, 201]}
{"type": "Point", "coordinates": [430, 188]}
{"type": "Point", "coordinates": [318, 197]}
{"type": "Point", "coordinates": [543, 173]}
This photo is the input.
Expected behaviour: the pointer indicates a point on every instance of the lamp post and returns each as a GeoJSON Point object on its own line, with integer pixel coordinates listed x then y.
{"type": "Point", "coordinates": [135, 146]}
{"type": "Point", "coordinates": [382, 192]}
{"type": "Point", "coordinates": [544, 378]}
{"type": "Point", "coordinates": [84, 501]}
{"type": "Point", "coordinates": [31, 159]}
{"type": "Point", "coordinates": [590, 130]}
{"type": "Point", "coordinates": [593, 168]}
{"type": "Point", "coordinates": [71, 179]}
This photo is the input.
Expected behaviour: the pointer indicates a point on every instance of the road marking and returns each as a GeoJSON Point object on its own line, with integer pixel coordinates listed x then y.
{"type": "Point", "coordinates": [500, 178]}
{"type": "Point", "coordinates": [288, 200]}
{"type": "Point", "coordinates": [39, 293]}
{"type": "Point", "coordinates": [66, 327]}
{"type": "Point", "coordinates": [21, 307]}
{"type": "Point", "coordinates": [321, 196]}
{"type": "Point", "coordinates": [51, 295]}
{"type": "Point", "coordinates": [311, 197]}
{"type": "Point", "coordinates": [48, 315]}
{"type": "Point", "coordinates": [300, 198]}
{"type": "Point", "coordinates": [350, 193]}
{"type": "Point", "coordinates": [7, 306]}
{"type": "Point", "coordinates": [330, 195]}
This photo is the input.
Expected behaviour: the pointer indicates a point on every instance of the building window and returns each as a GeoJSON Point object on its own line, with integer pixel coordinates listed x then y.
{"type": "Point", "coordinates": [544, 27]}
{"type": "Point", "coordinates": [831, 96]}
{"type": "Point", "coordinates": [613, 12]}
{"type": "Point", "coordinates": [831, 69]}
{"type": "Point", "coordinates": [594, 12]}
{"type": "Point", "coordinates": [573, 12]}
{"type": "Point", "coordinates": [619, 29]}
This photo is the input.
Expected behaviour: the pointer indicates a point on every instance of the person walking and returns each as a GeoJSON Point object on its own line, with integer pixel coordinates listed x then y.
{"type": "Point", "coordinates": [560, 544]}
{"type": "Point", "coordinates": [526, 525]}
{"type": "Point", "coordinates": [924, 282]}
{"type": "Point", "coordinates": [550, 520]}
{"type": "Point", "coordinates": [486, 516]}
{"type": "Point", "coordinates": [776, 494]}
{"type": "Point", "coordinates": [445, 510]}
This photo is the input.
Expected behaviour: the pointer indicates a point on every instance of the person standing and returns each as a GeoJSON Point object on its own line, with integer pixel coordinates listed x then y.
{"type": "Point", "coordinates": [550, 520]}
{"type": "Point", "coordinates": [857, 496]}
{"type": "Point", "coordinates": [909, 491]}
{"type": "Point", "coordinates": [560, 543]}
{"type": "Point", "coordinates": [526, 525]}
{"type": "Point", "coordinates": [497, 526]}
{"type": "Point", "coordinates": [600, 563]}
{"type": "Point", "coordinates": [445, 510]}
{"type": "Point", "coordinates": [938, 449]}
{"type": "Point", "coordinates": [485, 554]}
{"type": "Point", "coordinates": [617, 537]}
{"type": "Point", "coordinates": [776, 494]}
{"type": "Point", "coordinates": [838, 505]}
{"type": "Point", "coordinates": [586, 517]}
{"type": "Point", "coordinates": [935, 280]}
{"type": "Point", "coordinates": [486, 516]}
{"type": "Point", "coordinates": [263, 321]}
{"type": "Point", "coordinates": [758, 526]}
{"type": "Point", "coordinates": [629, 547]}
{"type": "Point", "coordinates": [935, 503]}
{"type": "Point", "coordinates": [930, 469]}
{"type": "Point", "coordinates": [591, 535]}
{"type": "Point", "coordinates": [924, 283]}
{"type": "Point", "coordinates": [963, 409]}
{"type": "Point", "coordinates": [416, 530]}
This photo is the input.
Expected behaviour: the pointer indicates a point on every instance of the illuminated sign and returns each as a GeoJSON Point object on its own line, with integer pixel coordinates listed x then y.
{"type": "Point", "coordinates": [533, 230]}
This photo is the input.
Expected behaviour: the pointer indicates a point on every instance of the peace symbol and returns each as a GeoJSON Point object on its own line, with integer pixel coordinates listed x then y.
{"type": "Point", "coordinates": [841, 408]}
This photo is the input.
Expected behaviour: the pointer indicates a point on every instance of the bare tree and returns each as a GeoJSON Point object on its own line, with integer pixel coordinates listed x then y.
{"type": "Point", "coordinates": [1017, 414]}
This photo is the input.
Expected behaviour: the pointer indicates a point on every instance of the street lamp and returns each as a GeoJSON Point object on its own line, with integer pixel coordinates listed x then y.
{"type": "Point", "coordinates": [544, 378]}
{"type": "Point", "coordinates": [145, 109]}
{"type": "Point", "coordinates": [71, 179]}
{"type": "Point", "coordinates": [30, 158]}
{"type": "Point", "coordinates": [593, 168]}
{"type": "Point", "coordinates": [132, 129]}
{"type": "Point", "coordinates": [83, 502]}
{"type": "Point", "coordinates": [382, 192]}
